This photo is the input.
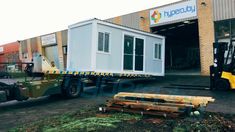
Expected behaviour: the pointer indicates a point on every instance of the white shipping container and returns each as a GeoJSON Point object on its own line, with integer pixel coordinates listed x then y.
{"type": "Point", "coordinates": [99, 46]}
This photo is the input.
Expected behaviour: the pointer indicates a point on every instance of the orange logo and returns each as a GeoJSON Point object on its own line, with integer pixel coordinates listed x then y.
{"type": "Point", "coordinates": [156, 16]}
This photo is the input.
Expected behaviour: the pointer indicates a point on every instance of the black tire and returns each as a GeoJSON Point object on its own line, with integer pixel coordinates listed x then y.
{"type": "Point", "coordinates": [222, 84]}
{"type": "Point", "coordinates": [74, 88]}
{"type": "Point", "coordinates": [64, 86]}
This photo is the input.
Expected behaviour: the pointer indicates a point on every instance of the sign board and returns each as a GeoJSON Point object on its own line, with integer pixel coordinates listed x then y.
{"type": "Point", "coordinates": [48, 39]}
{"type": "Point", "coordinates": [1, 49]}
{"type": "Point", "coordinates": [174, 12]}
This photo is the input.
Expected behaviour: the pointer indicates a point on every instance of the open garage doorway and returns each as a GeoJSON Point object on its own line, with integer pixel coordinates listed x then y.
{"type": "Point", "coordinates": [182, 47]}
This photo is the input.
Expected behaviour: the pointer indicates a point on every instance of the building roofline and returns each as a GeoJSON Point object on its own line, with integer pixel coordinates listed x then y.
{"type": "Point", "coordinates": [107, 23]}
{"type": "Point", "coordinates": [161, 6]}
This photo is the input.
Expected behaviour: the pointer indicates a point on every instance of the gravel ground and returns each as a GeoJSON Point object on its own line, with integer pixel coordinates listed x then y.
{"type": "Point", "coordinates": [17, 113]}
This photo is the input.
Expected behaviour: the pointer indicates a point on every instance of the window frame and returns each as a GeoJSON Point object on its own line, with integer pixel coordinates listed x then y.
{"type": "Point", "coordinates": [103, 43]}
{"type": "Point", "coordinates": [233, 27]}
{"type": "Point", "coordinates": [134, 35]}
{"type": "Point", "coordinates": [159, 58]}
{"type": "Point", "coordinates": [222, 24]}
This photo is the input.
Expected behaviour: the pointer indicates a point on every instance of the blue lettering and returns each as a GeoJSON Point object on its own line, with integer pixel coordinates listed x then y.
{"type": "Point", "coordinates": [171, 13]}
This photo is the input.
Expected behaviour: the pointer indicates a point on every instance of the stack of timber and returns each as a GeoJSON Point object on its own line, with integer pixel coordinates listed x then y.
{"type": "Point", "coordinates": [156, 104]}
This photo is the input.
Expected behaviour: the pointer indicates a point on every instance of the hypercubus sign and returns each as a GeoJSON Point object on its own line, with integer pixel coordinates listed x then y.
{"type": "Point", "coordinates": [182, 10]}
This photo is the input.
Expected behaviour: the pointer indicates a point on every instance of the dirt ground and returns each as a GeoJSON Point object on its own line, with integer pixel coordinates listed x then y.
{"type": "Point", "coordinates": [15, 113]}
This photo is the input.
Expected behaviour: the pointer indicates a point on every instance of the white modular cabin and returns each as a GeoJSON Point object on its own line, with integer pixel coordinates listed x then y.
{"type": "Point", "coordinates": [100, 46]}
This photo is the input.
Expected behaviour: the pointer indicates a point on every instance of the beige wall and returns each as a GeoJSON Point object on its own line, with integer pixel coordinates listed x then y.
{"type": "Point", "coordinates": [144, 21]}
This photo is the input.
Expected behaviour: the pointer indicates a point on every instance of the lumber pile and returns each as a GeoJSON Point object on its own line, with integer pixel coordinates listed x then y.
{"type": "Point", "coordinates": [156, 104]}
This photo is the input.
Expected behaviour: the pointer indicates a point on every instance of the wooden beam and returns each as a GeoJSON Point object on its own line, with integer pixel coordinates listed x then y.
{"type": "Point", "coordinates": [194, 100]}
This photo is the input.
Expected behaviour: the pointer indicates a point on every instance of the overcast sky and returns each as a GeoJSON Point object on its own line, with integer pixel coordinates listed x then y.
{"type": "Point", "coordinates": [21, 19]}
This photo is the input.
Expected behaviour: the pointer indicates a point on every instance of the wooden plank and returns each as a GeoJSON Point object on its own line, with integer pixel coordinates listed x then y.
{"type": "Point", "coordinates": [151, 103]}
{"type": "Point", "coordinates": [157, 113]}
{"type": "Point", "coordinates": [147, 106]}
{"type": "Point", "coordinates": [194, 100]}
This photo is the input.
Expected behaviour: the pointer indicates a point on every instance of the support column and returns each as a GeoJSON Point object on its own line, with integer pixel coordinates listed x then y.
{"type": "Point", "coordinates": [29, 50]}
{"type": "Point", "coordinates": [39, 45]}
{"type": "Point", "coordinates": [144, 22]}
{"type": "Point", "coordinates": [60, 49]}
{"type": "Point", "coordinates": [206, 34]}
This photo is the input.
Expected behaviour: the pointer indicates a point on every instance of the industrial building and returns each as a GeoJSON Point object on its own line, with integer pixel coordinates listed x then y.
{"type": "Point", "coordinates": [53, 46]}
{"type": "Point", "coordinates": [9, 53]}
{"type": "Point", "coordinates": [190, 28]}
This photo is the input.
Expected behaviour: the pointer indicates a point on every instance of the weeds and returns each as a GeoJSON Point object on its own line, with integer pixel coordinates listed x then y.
{"type": "Point", "coordinates": [70, 122]}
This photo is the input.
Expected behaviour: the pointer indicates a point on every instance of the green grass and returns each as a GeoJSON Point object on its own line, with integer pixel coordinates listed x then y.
{"type": "Point", "coordinates": [73, 122]}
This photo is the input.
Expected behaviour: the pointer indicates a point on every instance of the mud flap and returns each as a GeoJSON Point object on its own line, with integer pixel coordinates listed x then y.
{"type": "Point", "coordinates": [3, 96]}
{"type": "Point", "coordinates": [17, 94]}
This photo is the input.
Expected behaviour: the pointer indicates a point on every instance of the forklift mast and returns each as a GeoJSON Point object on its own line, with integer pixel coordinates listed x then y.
{"type": "Point", "coordinates": [219, 55]}
{"type": "Point", "coordinates": [216, 69]}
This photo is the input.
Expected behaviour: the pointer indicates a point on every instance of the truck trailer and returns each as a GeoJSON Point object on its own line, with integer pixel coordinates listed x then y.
{"type": "Point", "coordinates": [98, 51]}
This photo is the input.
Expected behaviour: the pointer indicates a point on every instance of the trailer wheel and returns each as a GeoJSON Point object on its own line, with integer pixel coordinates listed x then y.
{"type": "Point", "coordinates": [222, 84]}
{"type": "Point", "coordinates": [74, 88]}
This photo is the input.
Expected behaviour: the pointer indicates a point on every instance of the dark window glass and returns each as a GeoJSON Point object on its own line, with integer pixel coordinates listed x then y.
{"type": "Point", "coordinates": [128, 62]}
{"type": "Point", "coordinates": [139, 46]}
{"type": "Point", "coordinates": [128, 45]}
{"type": "Point", "coordinates": [155, 51]}
{"type": "Point", "coordinates": [106, 44]}
{"type": "Point", "coordinates": [139, 63]}
{"type": "Point", "coordinates": [139, 51]}
{"type": "Point", "coordinates": [222, 29]}
{"type": "Point", "coordinates": [128, 52]}
{"type": "Point", "coordinates": [159, 51]}
{"type": "Point", "coordinates": [100, 42]}
{"type": "Point", "coordinates": [233, 27]}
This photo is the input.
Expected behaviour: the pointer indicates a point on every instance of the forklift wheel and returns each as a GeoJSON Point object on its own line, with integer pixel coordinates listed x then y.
{"type": "Point", "coordinates": [222, 84]}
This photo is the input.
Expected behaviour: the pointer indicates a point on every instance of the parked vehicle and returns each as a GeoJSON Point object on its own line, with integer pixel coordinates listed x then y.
{"type": "Point", "coordinates": [222, 73]}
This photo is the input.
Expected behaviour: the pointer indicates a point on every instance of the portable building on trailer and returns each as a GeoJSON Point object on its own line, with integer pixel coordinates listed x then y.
{"type": "Point", "coordinates": [100, 46]}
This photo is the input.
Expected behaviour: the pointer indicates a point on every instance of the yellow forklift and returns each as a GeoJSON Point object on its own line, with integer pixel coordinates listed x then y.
{"type": "Point", "coordinates": [222, 72]}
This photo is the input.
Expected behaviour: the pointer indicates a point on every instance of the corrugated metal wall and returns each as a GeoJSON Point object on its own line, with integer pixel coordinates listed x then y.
{"type": "Point", "coordinates": [23, 45]}
{"type": "Point", "coordinates": [34, 46]}
{"type": "Point", "coordinates": [109, 20]}
{"type": "Point", "coordinates": [223, 9]}
{"type": "Point", "coordinates": [131, 20]}
{"type": "Point", "coordinates": [64, 37]}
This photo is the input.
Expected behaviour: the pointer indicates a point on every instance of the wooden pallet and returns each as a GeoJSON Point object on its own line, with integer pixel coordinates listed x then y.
{"type": "Point", "coordinates": [156, 104]}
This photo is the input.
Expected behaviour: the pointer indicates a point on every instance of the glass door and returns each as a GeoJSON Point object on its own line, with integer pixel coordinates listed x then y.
{"type": "Point", "coordinates": [128, 52]}
{"type": "Point", "coordinates": [133, 53]}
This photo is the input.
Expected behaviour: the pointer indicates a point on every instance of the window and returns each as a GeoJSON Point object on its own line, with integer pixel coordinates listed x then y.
{"type": "Point", "coordinates": [222, 29]}
{"type": "Point", "coordinates": [1, 49]}
{"type": "Point", "coordinates": [25, 55]}
{"type": "Point", "coordinates": [103, 42]}
{"type": "Point", "coordinates": [158, 51]}
{"type": "Point", "coordinates": [65, 50]}
{"type": "Point", "coordinates": [233, 27]}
